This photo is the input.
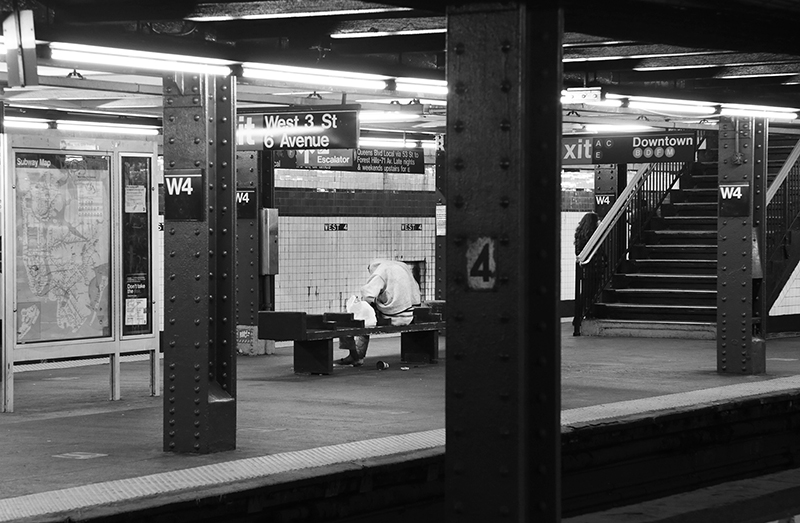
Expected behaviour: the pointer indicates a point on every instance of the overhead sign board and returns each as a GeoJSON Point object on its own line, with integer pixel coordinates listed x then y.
{"type": "Point", "coordinates": [576, 151]}
{"type": "Point", "coordinates": [404, 161]}
{"type": "Point", "coordinates": [644, 148]}
{"type": "Point", "coordinates": [307, 129]}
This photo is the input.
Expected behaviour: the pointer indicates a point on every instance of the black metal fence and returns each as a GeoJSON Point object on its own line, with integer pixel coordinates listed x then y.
{"type": "Point", "coordinates": [783, 225]}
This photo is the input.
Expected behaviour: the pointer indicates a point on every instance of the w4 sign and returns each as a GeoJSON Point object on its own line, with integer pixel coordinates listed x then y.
{"type": "Point", "coordinates": [184, 195]}
{"type": "Point", "coordinates": [734, 199]}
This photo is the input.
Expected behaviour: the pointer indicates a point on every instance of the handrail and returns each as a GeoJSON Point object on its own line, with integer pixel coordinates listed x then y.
{"type": "Point", "coordinates": [614, 214]}
{"type": "Point", "coordinates": [784, 172]}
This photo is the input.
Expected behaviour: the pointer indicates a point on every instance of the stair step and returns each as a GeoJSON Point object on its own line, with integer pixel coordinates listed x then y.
{"type": "Point", "coordinates": [640, 280]}
{"type": "Point", "coordinates": [675, 251]}
{"type": "Point", "coordinates": [705, 223]}
{"type": "Point", "coordinates": [662, 296]}
{"type": "Point", "coordinates": [689, 209]}
{"type": "Point", "coordinates": [692, 330]}
{"type": "Point", "coordinates": [633, 311]}
{"type": "Point", "coordinates": [707, 194]}
{"type": "Point", "coordinates": [676, 266]}
{"type": "Point", "coordinates": [668, 236]}
{"type": "Point", "coordinates": [708, 180]}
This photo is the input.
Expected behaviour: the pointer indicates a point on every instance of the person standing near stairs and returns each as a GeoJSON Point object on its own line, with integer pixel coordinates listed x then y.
{"type": "Point", "coordinates": [583, 232]}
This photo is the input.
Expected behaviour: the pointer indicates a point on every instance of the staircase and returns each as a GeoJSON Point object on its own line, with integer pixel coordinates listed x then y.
{"type": "Point", "coordinates": [667, 287]}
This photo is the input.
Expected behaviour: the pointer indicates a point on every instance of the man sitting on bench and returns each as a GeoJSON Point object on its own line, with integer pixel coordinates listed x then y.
{"type": "Point", "coordinates": [392, 290]}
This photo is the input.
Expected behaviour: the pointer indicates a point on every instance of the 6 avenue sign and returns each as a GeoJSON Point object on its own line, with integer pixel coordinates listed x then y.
{"type": "Point", "coordinates": [308, 129]}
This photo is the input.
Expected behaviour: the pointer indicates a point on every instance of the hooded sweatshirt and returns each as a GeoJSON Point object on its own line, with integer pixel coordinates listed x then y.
{"type": "Point", "coordinates": [391, 287]}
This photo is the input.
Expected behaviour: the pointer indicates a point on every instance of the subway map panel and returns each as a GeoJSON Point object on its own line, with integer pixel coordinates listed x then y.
{"type": "Point", "coordinates": [63, 215]}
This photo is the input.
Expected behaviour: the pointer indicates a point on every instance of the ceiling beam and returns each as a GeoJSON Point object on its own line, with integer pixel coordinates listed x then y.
{"type": "Point", "coordinates": [292, 9]}
{"type": "Point", "coordinates": [728, 26]}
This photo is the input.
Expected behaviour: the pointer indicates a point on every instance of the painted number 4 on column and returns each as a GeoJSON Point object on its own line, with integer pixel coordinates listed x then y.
{"type": "Point", "coordinates": [481, 265]}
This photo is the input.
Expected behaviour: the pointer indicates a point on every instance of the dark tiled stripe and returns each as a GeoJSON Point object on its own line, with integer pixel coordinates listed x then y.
{"type": "Point", "coordinates": [309, 202]}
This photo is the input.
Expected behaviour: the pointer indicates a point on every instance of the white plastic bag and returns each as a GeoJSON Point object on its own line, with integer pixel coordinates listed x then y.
{"type": "Point", "coordinates": [361, 311]}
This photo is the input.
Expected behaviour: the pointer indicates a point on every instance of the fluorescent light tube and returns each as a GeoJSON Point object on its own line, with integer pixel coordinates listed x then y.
{"type": "Point", "coordinates": [387, 116]}
{"type": "Point", "coordinates": [375, 34]}
{"type": "Point", "coordinates": [93, 127]}
{"type": "Point", "coordinates": [396, 143]}
{"type": "Point", "coordinates": [621, 128]}
{"type": "Point", "coordinates": [322, 77]}
{"type": "Point", "coordinates": [671, 107]}
{"type": "Point", "coordinates": [200, 16]}
{"type": "Point", "coordinates": [421, 85]}
{"type": "Point", "coordinates": [138, 59]}
{"type": "Point", "coordinates": [772, 115]}
{"type": "Point", "coordinates": [402, 101]}
{"type": "Point", "coordinates": [26, 123]}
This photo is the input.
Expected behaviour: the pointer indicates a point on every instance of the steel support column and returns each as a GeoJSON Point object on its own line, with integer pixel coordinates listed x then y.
{"type": "Point", "coordinates": [503, 247]}
{"type": "Point", "coordinates": [740, 350]}
{"type": "Point", "coordinates": [607, 180]}
{"type": "Point", "coordinates": [760, 187]}
{"type": "Point", "coordinates": [199, 266]}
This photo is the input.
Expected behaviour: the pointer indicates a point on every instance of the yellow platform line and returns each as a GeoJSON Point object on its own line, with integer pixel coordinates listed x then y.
{"type": "Point", "coordinates": [62, 502]}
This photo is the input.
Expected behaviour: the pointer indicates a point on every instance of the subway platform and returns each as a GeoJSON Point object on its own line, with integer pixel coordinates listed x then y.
{"type": "Point", "coordinates": [69, 454]}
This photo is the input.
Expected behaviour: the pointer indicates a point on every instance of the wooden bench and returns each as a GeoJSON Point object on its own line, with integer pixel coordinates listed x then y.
{"type": "Point", "coordinates": [313, 336]}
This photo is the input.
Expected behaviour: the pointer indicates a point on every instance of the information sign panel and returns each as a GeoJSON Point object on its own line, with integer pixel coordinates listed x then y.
{"type": "Point", "coordinates": [734, 199]}
{"type": "Point", "coordinates": [309, 129]}
{"type": "Point", "coordinates": [576, 151]}
{"type": "Point", "coordinates": [403, 161]}
{"type": "Point", "coordinates": [246, 204]}
{"type": "Point", "coordinates": [644, 148]}
{"type": "Point", "coordinates": [136, 180]}
{"type": "Point", "coordinates": [184, 198]}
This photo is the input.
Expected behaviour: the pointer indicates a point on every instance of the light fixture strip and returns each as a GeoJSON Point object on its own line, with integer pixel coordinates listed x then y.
{"type": "Point", "coordinates": [105, 128]}
{"type": "Point", "coordinates": [16, 122]}
{"type": "Point", "coordinates": [772, 115]}
{"type": "Point", "coordinates": [199, 17]}
{"type": "Point", "coordinates": [377, 34]}
{"type": "Point", "coordinates": [137, 59]}
{"type": "Point", "coordinates": [671, 107]}
{"type": "Point", "coordinates": [311, 79]}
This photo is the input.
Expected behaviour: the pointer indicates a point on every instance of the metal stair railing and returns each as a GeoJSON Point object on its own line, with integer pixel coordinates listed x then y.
{"type": "Point", "coordinates": [782, 224]}
{"type": "Point", "coordinates": [608, 247]}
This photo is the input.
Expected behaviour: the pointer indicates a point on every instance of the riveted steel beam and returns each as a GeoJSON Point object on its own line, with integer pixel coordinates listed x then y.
{"type": "Point", "coordinates": [760, 311]}
{"type": "Point", "coordinates": [247, 242]}
{"type": "Point", "coordinates": [199, 243]}
{"type": "Point", "coordinates": [739, 351]}
{"type": "Point", "coordinates": [503, 246]}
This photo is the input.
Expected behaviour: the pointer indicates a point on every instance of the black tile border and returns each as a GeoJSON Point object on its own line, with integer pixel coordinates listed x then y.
{"type": "Point", "coordinates": [330, 203]}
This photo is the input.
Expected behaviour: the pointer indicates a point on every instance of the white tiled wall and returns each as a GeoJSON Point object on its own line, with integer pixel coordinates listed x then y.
{"type": "Point", "coordinates": [322, 179]}
{"type": "Point", "coordinates": [569, 221]}
{"type": "Point", "coordinates": [319, 269]}
{"type": "Point", "coordinates": [788, 301]}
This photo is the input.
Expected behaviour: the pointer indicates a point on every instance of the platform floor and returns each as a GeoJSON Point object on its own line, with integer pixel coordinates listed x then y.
{"type": "Point", "coordinates": [67, 448]}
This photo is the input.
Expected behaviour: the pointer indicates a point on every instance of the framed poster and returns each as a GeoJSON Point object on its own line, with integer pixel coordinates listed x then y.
{"type": "Point", "coordinates": [63, 215]}
{"type": "Point", "coordinates": [137, 314]}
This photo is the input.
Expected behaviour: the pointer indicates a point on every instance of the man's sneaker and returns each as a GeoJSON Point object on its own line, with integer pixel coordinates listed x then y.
{"type": "Point", "coordinates": [350, 361]}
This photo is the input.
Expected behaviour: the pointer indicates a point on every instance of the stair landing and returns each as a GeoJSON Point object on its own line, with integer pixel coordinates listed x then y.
{"type": "Point", "coordinates": [649, 329]}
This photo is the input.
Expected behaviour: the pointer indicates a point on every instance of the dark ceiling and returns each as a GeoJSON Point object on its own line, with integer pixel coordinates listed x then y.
{"type": "Point", "coordinates": [743, 51]}
{"type": "Point", "coordinates": [726, 50]}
